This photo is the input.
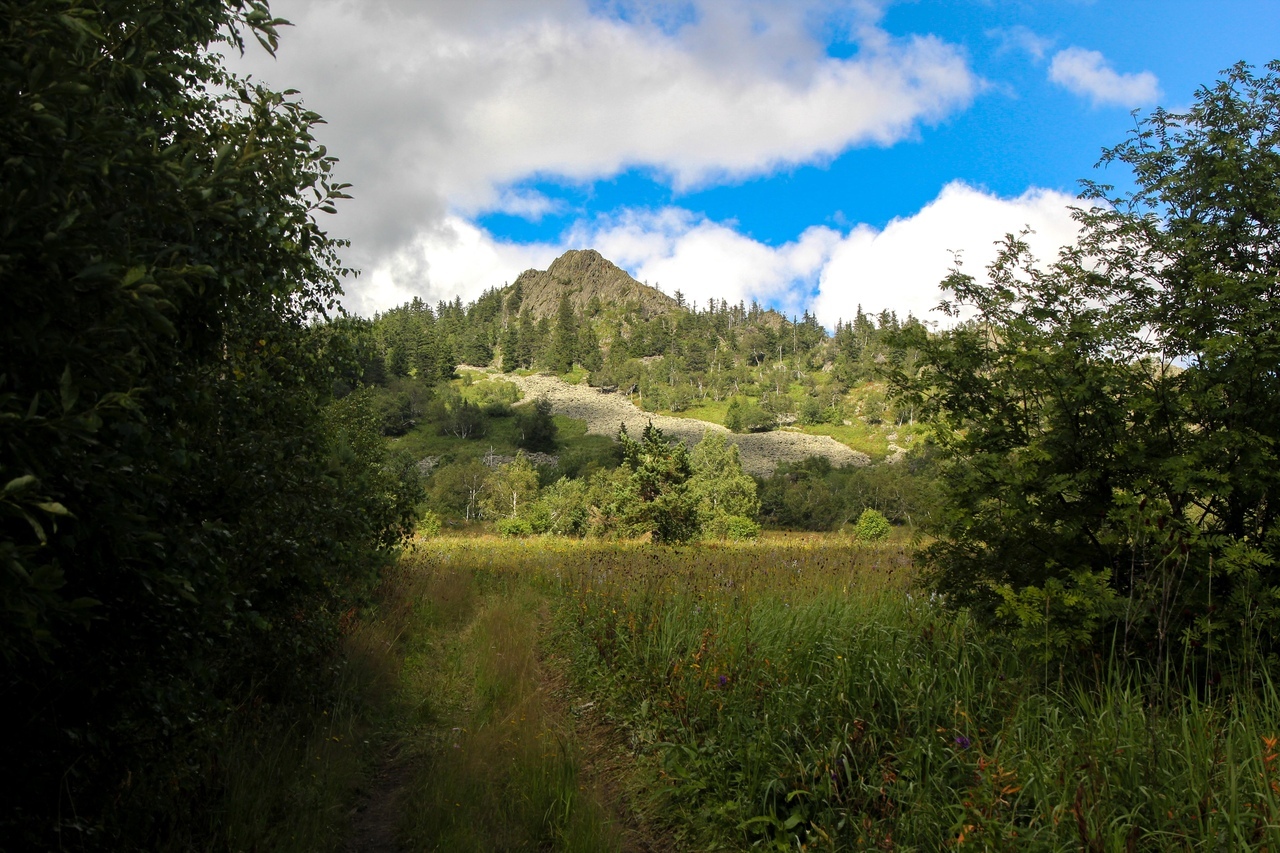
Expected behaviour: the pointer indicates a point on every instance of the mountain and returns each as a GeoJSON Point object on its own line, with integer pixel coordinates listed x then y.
{"type": "Point", "coordinates": [582, 274]}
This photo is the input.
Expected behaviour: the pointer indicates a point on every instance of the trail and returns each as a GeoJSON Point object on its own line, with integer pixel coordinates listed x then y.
{"type": "Point", "coordinates": [496, 692]}
{"type": "Point", "coordinates": [761, 452]}
{"type": "Point", "coordinates": [377, 814]}
{"type": "Point", "coordinates": [604, 763]}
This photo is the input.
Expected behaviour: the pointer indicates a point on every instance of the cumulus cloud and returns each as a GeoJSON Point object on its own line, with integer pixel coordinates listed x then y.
{"type": "Point", "coordinates": [676, 250]}
{"type": "Point", "coordinates": [832, 272]}
{"type": "Point", "coordinates": [438, 109]}
{"type": "Point", "coordinates": [454, 258]}
{"type": "Point", "coordinates": [1087, 73]}
{"type": "Point", "coordinates": [899, 267]}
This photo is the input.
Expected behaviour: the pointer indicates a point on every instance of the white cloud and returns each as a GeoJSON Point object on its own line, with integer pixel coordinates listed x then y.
{"type": "Point", "coordinates": [1087, 73]}
{"type": "Point", "coordinates": [1021, 38]}
{"type": "Point", "coordinates": [897, 268]}
{"type": "Point", "coordinates": [676, 250]}
{"type": "Point", "coordinates": [437, 109]}
{"type": "Point", "coordinates": [527, 204]}
{"type": "Point", "coordinates": [456, 258]}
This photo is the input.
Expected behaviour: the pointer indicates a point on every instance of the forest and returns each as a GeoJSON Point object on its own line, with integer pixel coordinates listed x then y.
{"type": "Point", "coordinates": [278, 577]}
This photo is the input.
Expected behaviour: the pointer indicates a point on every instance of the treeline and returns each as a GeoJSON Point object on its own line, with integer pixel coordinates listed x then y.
{"type": "Point", "coordinates": [772, 370]}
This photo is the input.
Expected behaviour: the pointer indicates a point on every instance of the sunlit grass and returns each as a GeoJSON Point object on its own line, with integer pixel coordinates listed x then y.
{"type": "Point", "coordinates": [496, 760]}
{"type": "Point", "coordinates": [800, 691]}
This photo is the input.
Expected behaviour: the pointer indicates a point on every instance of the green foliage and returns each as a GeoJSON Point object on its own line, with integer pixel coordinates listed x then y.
{"type": "Point", "coordinates": [537, 427]}
{"type": "Point", "coordinates": [737, 528]}
{"type": "Point", "coordinates": [179, 532]}
{"type": "Point", "coordinates": [814, 495]}
{"type": "Point", "coordinates": [872, 526]}
{"type": "Point", "coordinates": [428, 525]}
{"type": "Point", "coordinates": [656, 497]}
{"type": "Point", "coordinates": [564, 344]}
{"type": "Point", "coordinates": [455, 415]}
{"type": "Point", "coordinates": [719, 485]}
{"type": "Point", "coordinates": [513, 527]}
{"type": "Point", "coordinates": [494, 392]}
{"type": "Point", "coordinates": [1060, 617]}
{"type": "Point", "coordinates": [454, 489]}
{"type": "Point", "coordinates": [562, 508]}
{"type": "Point", "coordinates": [747, 416]}
{"type": "Point", "coordinates": [1111, 415]}
{"type": "Point", "coordinates": [509, 491]}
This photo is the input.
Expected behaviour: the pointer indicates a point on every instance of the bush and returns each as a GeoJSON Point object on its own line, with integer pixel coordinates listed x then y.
{"type": "Point", "coordinates": [811, 411]}
{"type": "Point", "coordinates": [746, 416]}
{"type": "Point", "coordinates": [740, 528]}
{"type": "Point", "coordinates": [736, 527]}
{"type": "Point", "coordinates": [537, 427]}
{"type": "Point", "coordinates": [872, 526]}
{"type": "Point", "coordinates": [513, 527]}
{"type": "Point", "coordinates": [428, 525]}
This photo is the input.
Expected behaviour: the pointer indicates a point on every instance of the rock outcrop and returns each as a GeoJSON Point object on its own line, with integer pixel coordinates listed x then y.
{"type": "Point", "coordinates": [582, 274]}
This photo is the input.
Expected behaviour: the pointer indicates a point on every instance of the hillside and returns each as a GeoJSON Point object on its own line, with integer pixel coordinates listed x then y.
{"type": "Point", "coordinates": [742, 367]}
{"type": "Point", "coordinates": [582, 274]}
{"type": "Point", "coordinates": [605, 412]}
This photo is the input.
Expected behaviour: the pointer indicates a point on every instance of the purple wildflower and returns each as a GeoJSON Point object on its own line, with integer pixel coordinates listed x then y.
{"type": "Point", "coordinates": [962, 742]}
{"type": "Point", "coordinates": [724, 681]}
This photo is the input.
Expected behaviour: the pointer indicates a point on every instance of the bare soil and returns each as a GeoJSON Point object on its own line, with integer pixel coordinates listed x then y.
{"type": "Point", "coordinates": [376, 817]}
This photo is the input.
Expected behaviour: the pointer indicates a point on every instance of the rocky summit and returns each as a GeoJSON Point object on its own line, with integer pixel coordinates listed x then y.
{"type": "Point", "coordinates": [582, 274]}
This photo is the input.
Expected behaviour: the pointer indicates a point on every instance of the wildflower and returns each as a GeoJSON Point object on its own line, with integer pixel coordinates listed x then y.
{"type": "Point", "coordinates": [962, 742]}
{"type": "Point", "coordinates": [724, 681]}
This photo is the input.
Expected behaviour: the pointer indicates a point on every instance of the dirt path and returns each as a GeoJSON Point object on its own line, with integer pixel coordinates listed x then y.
{"type": "Point", "coordinates": [604, 761]}
{"type": "Point", "coordinates": [493, 694]}
{"type": "Point", "coordinates": [377, 814]}
{"type": "Point", "coordinates": [760, 452]}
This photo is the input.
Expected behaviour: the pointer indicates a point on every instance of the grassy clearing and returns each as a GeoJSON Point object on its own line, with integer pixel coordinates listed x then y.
{"type": "Point", "coordinates": [795, 693]}
{"type": "Point", "coordinates": [495, 758]}
{"type": "Point", "coordinates": [872, 439]}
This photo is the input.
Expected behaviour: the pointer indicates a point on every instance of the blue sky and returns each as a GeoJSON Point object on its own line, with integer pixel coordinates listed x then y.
{"type": "Point", "coordinates": [811, 154]}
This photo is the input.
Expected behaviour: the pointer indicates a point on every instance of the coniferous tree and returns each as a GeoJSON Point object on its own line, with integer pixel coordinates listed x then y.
{"type": "Point", "coordinates": [564, 341]}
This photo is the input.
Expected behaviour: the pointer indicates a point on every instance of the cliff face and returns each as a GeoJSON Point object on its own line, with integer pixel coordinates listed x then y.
{"type": "Point", "coordinates": [582, 274]}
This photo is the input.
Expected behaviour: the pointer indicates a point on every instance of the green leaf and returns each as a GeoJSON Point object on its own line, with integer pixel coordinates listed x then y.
{"type": "Point", "coordinates": [20, 484]}
{"type": "Point", "coordinates": [68, 390]}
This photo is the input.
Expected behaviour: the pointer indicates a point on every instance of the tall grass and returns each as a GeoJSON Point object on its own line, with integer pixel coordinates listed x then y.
{"type": "Point", "coordinates": [496, 761]}
{"type": "Point", "coordinates": [800, 693]}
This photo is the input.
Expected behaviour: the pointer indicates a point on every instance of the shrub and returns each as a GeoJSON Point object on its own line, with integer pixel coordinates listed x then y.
{"type": "Point", "coordinates": [736, 527]}
{"type": "Point", "coordinates": [872, 526]}
{"type": "Point", "coordinates": [428, 525]}
{"type": "Point", "coordinates": [747, 416]}
{"type": "Point", "coordinates": [513, 527]}
{"type": "Point", "coordinates": [537, 427]}
{"type": "Point", "coordinates": [740, 528]}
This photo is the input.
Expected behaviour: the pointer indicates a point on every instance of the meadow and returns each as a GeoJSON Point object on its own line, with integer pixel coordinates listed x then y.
{"type": "Point", "coordinates": [791, 693]}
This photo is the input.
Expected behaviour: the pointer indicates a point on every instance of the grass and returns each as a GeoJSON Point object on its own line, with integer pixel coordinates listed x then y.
{"type": "Point", "coordinates": [502, 436]}
{"type": "Point", "coordinates": [790, 693]}
{"type": "Point", "coordinates": [283, 777]}
{"type": "Point", "coordinates": [796, 693]}
{"type": "Point", "coordinates": [497, 761]}
{"type": "Point", "coordinates": [424, 440]}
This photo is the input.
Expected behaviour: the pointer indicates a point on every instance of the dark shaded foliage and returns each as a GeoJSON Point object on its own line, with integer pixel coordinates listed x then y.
{"type": "Point", "coordinates": [179, 529]}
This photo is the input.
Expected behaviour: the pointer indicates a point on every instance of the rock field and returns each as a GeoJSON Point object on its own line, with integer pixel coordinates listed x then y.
{"type": "Point", "coordinates": [760, 452]}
